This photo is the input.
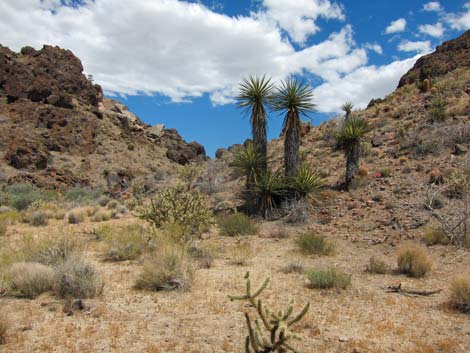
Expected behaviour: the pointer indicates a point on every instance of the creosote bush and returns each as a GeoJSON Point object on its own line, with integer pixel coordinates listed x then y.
{"type": "Point", "coordinates": [413, 261]}
{"type": "Point", "coordinates": [177, 206]}
{"type": "Point", "coordinates": [313, 244]}
{"type": "Point", "coordinates": [170, 268]}
{"type": "Point", "coordinates": [328, 278]}
{"type": "Point", "coordinates": [77, 279]}
{"type": "Point", "coordinates": [377, 266]}
{"type": "Point", "coordinates": [460, 294]}
{"type": "Point", "coordinates": [28, 279]}
{"type": "Point", "coordinates": [127, 243]}
{"type": "Point", "coordinates": [236, 224]}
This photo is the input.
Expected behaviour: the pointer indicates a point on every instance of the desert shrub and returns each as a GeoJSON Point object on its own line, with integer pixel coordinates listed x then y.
{"type": "Point", "coordinates": [297, 211]}
{"type": "Point", "coordinates": [77, 279]}
{"type": "Point", "coordinates": [413, 261]}
{"type": "Point", "coordinates": [328, 278]}
{"type": "Point", "coordinates": [438, 110]}
{"type": "Point", "coordinates": [267, 191]}
{"type": "Point", "coordinates": [5, 209]}
{"type": "Point", "coordinates": [112, 204]}
{"type": "Point", "coordinates": [279, 233]}
{"type": "Point", "coordinates": [460, 294]}
{"type": "Point", "coordinates": [458, 183]}
{"type": "Point", "coordinates": [10, 217]}
{"type": "Point", "coordinates": [101, 216]}
{"type": "Point", "coordinates": [177, 206]}
{"type": "Point", "coordinates": [434, 235]}
{"type": "Point", "coordinates": [3, 329]}
{"type": "Point", "coordinates": [377, 266]}
{"type": "Point", "coordinates": [28, 280]}
{"type": "Point", "coordinates": [127, 243]}
{"type": "Point", "coordinates": [103, 200]}
{"type": "Point", "coordinates": [76, 216]}
{"type": "Point", "coordinates": [313, 244]}
{"type": "Point", "coordinates": [39, 218]}
{"type": "Point", "coordinates": [21, 196]}
{"type": "Point", "coordinates": [121, 209]}
{"type": "Point", "coordinates": [81, 194]}
{"type": "Point", "coordinates": [240, 254]}
{"type": "Point", "coordinates": [3, 229]}
{"type": "Point", "coordinates": [385, 172]}
{"type": "Point", "coordinates": [130, 146]}
{"type": "Point", "coordinates": [236, 224]}
{"type": "Point", "coordinates": [203, 255]}
{"type": "Point", "coordinates": [170, 268]}
{"type": "Point", "coordinates": [293, 267]}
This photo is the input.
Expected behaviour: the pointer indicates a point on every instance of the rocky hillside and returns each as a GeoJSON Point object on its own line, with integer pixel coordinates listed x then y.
{"type": "Point", "coordinates": [418, 147]}
{"type": "Point", "coordinates": [57, 130]}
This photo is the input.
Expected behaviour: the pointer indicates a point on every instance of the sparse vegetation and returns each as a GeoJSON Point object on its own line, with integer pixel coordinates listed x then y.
{"type": "Point", "coordinates": [126, 243]}
{"type": "Point", "coordinates": [28, 279]}
{"type": "Point", "coordinates": [328, 278]}
{"type": "Point", "coordinates": [39, 218]}
{"type": "Point", "coordinates": [293, 267]}
{"type": "Point", "coordinates": [413, 261]}
{"type": "Point", "coordinates": [236, 224]}
{"type": "Point", "coordinates": [434, 235]}
{"type": "Point", "coordinates": [3, 329]}
{"type": "Point", "coordinates": [76, 216]}
{"type": "Point", "coordinates": [101, 216]}
{"type": "Point", "coordinates": [460, 294]}
{"type": "Point", "coordinates": [377, 266]}
{"type": "Point", "coordinates": [240, 253]}
{"type": "Point", "coordinates": [314, 244]}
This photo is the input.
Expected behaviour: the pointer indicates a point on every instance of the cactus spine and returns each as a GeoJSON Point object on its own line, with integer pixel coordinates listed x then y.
{"type": "Point", "coordinates": [274, 333]}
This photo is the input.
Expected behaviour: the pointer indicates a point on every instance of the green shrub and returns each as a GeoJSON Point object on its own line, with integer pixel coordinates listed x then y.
{"type": "Point", "coordinates": [10, 217]}
{"type": "Point", "coordinates": [328, 278]}
{"type": "Point", "coordinates": [460, 294]}
{"type": "Point", "coordinates": [385, 172]}
{"type": "Point", "coordinates": [39, 218]}
{"type": "Point", "coordinates": [103, 200]}
{"type": "Point", "coordinates": [236, 224]}
{"type": "Point", "coordinates": [127, 243]}
{"type": "Point", "coordinates": [177, 206]}
{"type": "Point", "coordinates": [77, 279]}
{"type": "Point", "coordinates": [101, 216]}
{"type": "Point", "coordinates": [82, 194]}
{"type": "Point", "coordinates": [377, 266]}
{"type": "Point", "coordinates": [413, 261]}
{"type": "Point", "coordinates": [435, 235]}
{"type": "Point", "coordinates": [438, 110]}
{"type": "Point", "coordinates": [28, 280]}
{"type": "Point", "coordinates": [21, 196]}
{"type": "Point", "coordinates": [3, 229]}
{"type": "Point", "coordinates": [313, 244]}
{"type": "Point", "coordinates": [170, 268]}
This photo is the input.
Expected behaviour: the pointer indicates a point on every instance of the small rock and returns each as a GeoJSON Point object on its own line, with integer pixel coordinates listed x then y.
{"type": "Point", "coordinates": [460, 149]}
{"type": "Point", "coordinates": [343, 339]}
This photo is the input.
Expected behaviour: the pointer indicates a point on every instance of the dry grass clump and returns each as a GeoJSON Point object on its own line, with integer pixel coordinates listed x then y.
{"type": "Point", "coordinates": [435, 236]}
{"type": "Point", "coordinates": [3, 329]}
{"type": "Point", "coordinates": [126, 243]}
{"type": "Point", "coordinates": [293, 267]}
{"type": "Point", "coordinates": [240, 254]}
{"type": "Point", "coordinates": [101, 216]}
{"type": "Point", "coordinates": [413, 261]}
{"type": "Point", "coordinates": [203, 255]}
{"type": "Point", "coordinates": [3, 229]}
{"type": "Point", "coordinates": [460, 294]}
{"type": "Point", "coordinates": [76, 216]}
{"type": "Point", "coordinates": [297, 212]}
{"type": "Point", "coordinates": [328, 278]}
{"type": "Point", "coordinates": [28, 279]}
{"type": "Point", "coordinates": [77, 279]}
{"type": "Point", "coordinates": [112, 204]}
{"type": "Point", "coordinates": [377, 266]}
{"type": "Point", "coordinates": [103, 200]}
{"type": "Point", "coordinates": [236, 224]}
{"type": "Point", "coordinates": [59, 215]}
{"type": "Point", "coordinates": [10, 217]}
{"type": "Point", "coordinates": [170, 268]}
{"type": "Point", "coordinates": [39, 218]}
{"type": "Point", "coordinates": [313, 244]}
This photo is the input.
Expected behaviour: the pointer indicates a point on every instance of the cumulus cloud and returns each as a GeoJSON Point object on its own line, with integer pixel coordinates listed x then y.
{"type": "Point", "coordinates": [375, 47]}
{"type": "Point", "coordinates": [396, 26]}
{"type": "Point", "coordinates": [298, 18]}
{"type": "Point", "coordinates": [183, 50]}
{"type": "Point", "coordinates": [459, 21]}
{"type": "Point", "coordinates": [436, 30]}
{"type": "Point", "coordinates": [422, 47]}
{"type": "Point", "coordinates": [433, 6]}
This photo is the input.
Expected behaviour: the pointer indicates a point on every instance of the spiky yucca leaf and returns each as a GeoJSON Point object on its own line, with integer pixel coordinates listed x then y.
{"type": "Point", "coordinates": [293, 96]}
{"type": "Point", "coordinates": [305, 181]}
{"type": "Point", "coordinates": [267, 188]}
{"type": "Point", "coordinates": [248, 163]}
{"type": "Point", "coordinates": [347, 107]}
{"type": "Point", "coordinates": [352, 133]}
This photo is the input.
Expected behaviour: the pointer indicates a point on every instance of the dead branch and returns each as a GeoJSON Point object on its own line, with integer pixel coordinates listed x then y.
{"type": "Point", "coordinates": [411, 292]}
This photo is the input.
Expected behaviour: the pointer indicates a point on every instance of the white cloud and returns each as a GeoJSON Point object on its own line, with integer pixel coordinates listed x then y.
{"type": "Point", "coordinates": [422, 47]}
{"type": "Point", "coordinates": [396, 26]}
{"type": "Point", "coordinates": [432, 6]}
{"type": "Point", "coordinates": [436, 30]}
{"type": "Point", "coordinates": [459, 21]}
{"type": "Point", "coordinates": [375, 47]}
{"type": "Point", "coordinates": [361, 85]}
{"type": "Point", "coordinates": [183, 50]}
{"type": "Point", "coordinates": [298, 17]}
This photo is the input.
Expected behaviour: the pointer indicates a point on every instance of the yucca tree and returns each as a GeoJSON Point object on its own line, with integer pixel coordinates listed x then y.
{"type": "Point", "coordinates": [253, 95]}
{"type": "Point", "coordinates": [305, 181]}
{"type": "Point", "coordinates": [347, 108]}
{"type": "Point", "coordinates": [292, 98]}
{"type": "Point", "coordinates": [249, 163]}
{"type": "Point", "coordinates": [350, 138]}
{"type": "Point", "coordinates": [268, 188]}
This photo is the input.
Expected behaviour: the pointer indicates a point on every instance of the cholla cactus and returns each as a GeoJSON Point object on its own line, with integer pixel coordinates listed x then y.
{"type": "Point", "coordinates": [177, 206]}
{"type": "Point", "coordinates": [274, 334]}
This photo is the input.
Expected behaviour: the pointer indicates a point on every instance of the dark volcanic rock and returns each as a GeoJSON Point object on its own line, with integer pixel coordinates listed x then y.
{"type": "Point", "coordinates": [180, 151]}
{"type": "Point", "coordinates": [449, 56]}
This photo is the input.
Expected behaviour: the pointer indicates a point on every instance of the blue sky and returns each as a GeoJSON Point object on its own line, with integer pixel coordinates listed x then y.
{"type": "Point", "coordinates": [179, 62]}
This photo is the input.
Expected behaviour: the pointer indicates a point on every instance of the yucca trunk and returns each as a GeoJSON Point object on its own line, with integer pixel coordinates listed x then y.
{"type": "Point", "coordinates": [352, 163]}
{"type": "Point", "coordinates": [260, 140]}
{"type": "Point", "coordinates": [292, 143]}
{"type": "Point", "coordinates": [347, 117]}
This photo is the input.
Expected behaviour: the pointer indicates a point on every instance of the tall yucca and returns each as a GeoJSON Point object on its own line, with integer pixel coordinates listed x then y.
{"type": "Point", "coordinates": [350, 139]}
{"type": "Point", "coordinates": [347, 108]}
{"type": "Point", "coordinates": [254, 93]}
{"type": "Point", "coordinates": [292, 98]}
